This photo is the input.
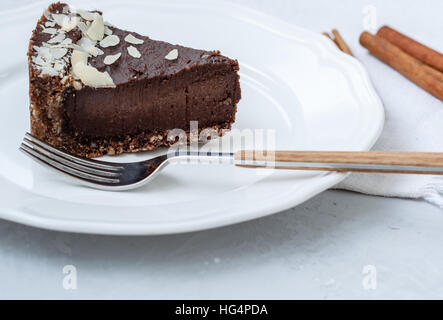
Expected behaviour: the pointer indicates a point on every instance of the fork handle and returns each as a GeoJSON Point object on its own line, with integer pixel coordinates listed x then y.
{"type": "Point", "coordinates": [344, 161]}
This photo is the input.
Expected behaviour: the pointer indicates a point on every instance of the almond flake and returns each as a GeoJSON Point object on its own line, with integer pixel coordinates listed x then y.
{"type": "Point", "coordinates": [59, 18]}
{"type": "Point", "coordinates": [134, 52]}
{"type": "Point", "coordinates": [58, 38]}
{"type": "Point", "coordinates": [77, 85]}
{"type": "Point", "coordinates": [82, 26]}
{"type": "Point", "coordinates": [90, 76]}
{"type": "Point", "coordinates": [70, 23]}
{"type": "Point", "coordinates": [108, 31]}
{"type": "Point", "coordinates": [58, 53]}
{"type": "Point", "coordinates": [65, 22]}
{"type": "Point", "coordinates": [49, 70]}
{"type": "Point", "coordinates": [58, 66]}
{"type": "Point", "coordinates": [89, 46]}
{"type": "Point", "coordinates": [78, 57]}
{"type": "Point", "coordinates": [76, 47]}
{"type": "Point", "coordinates": [133, 40]}
{"type": "Point", "coordinates": [96, 30]}
{"type": "Point", "coordinates": [110, 41]}
{"type": "Point", "coordinates": [50, 24]}
{"type": "Point", "coordinates": [43, 52]}
{"type": "Point", "coordinates": [66, 41]}
{"type": "Point", "coordinates": [87, 15]}
{"type": "Point", "coordinates": [97, 52]}
{"type": "Point", "coordinates": [38, 60]}
{"type": "Point", "coordinates": [110, 59]}
{"type": "Point", "coordinates": [49, 30]}
{"type": "Point", "coordinates": [172, 55]}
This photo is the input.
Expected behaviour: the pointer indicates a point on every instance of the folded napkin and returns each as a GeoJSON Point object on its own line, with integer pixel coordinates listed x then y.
{"type": "Point", "coordinates": [414, 122]}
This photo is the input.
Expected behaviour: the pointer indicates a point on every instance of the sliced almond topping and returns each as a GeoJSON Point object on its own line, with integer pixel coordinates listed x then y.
{"type": "Point", "coordinates": [172, 55]}
{"type": "Point", "coordinates": [59, 18]}
{"type": "Point", "coordinates": [77, 85]}
{"type": "Point", "coordinates": [89, 46]}
{"type": "Point", "coordinates": [110, 59]}
{"type": "Point", "coordinates": [66, 41]}
{"type": "Point", "coordinates": [38, 60]}
{"type": "Point", "coordinates": [97, 52]}
{"type": "Point", "coordinates": [96, 30]}
{"type": "Point", "coordinates": [85, 43]}
{"type": "Point", "coordinates": [87, 15]}
{"type": "Point", "coordinates": [90, 76]}
{"type": "Point", "coordinates": [82, 26]}
{"type": "Point", "coordinates": [50, 24]}
{"type": "Point", "coordinates": [58, 53]}
{"type": "Point", "coordinates": [49, 70]}
{"type": "Point", "coordinates": [58, 66]}
{"type": "Point", "coordinates": [58, 38]}
{"type": "Point", "coordinates": [110, 41]}
{"type": "Point", "coordinates": [43, 52]}
{"type": "Point", "coordinates": [108, 31]}
{"type": "Point", "coordinates": [49, 30]}
{"type": "Point", "coordinates": [133, 40]}
{"type": "Point", "coordinates": [78, 57]}
{"type": "Point", "coordinates": [70, 23]}
{"type": "Point", "coordinates": [134, 52]}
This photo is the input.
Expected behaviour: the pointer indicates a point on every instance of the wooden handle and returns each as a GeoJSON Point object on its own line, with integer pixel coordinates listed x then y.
{"type": "Point", "coordinates": [387, 162]}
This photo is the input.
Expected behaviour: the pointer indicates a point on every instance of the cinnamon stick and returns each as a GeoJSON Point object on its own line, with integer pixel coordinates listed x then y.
{"type": "Point", "coordinates": [426, 77]}
{"type": "Point", "coordinates": [328, 35]}
{"type": "Point", "coordinates": [412, 47]}
{"type": "Point", "coordinates": [341, 42]}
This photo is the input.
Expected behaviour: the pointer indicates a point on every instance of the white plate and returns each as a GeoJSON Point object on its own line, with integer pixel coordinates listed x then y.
{"type": "Point", "coordinates": [293, 80]}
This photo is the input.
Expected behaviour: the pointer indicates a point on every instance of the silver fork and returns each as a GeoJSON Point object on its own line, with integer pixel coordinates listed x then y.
{"type": "Point", "coordinates": [125, 176]}
{"type": "Point", "coordinates": [106, 175]}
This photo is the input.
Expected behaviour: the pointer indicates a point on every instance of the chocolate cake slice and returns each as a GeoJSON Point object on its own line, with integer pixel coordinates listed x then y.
{"type": "Point", "coordinates": [96, 89]}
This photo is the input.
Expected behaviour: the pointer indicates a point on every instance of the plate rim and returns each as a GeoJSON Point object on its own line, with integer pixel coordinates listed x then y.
{"type": "Point", "coordinates": [110, 228]}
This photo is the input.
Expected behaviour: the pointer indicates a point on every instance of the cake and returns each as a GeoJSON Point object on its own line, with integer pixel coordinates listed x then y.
{"type": "Point", "coordinates": [96, 89]}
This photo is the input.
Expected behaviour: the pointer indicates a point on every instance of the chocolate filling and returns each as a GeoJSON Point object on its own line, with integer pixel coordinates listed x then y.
{"type": "Point", "coordinates": [200, 94]}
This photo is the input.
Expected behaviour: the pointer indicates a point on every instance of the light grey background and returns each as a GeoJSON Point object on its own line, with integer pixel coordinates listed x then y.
{"type": "Point", "coordinates": [316, 250]}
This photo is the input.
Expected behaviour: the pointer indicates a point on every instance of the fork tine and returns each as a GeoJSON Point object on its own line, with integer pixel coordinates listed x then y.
{"type": "Point", "coordinates": [42, 159]}
{"type": "Point", "coordinates": [69, 163]}
{"type": "Point", "coordinates": [87, 162]}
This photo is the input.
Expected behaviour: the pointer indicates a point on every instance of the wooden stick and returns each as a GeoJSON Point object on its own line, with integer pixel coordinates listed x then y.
{"type": "Point", "coordinates": [328, 35]}
{"type": "Point", "coordinates": [426, 77]}
{"type": "Point", "coordinates": [340, 42]}
{"type": "Point", "coordinates": [419, 161]}
{"type": "Point", "coordinates": [331, 38]}
{"type": "Point", "coordinates": [412, 47]}
{"type": "Point", "coordinates": [363, 157]}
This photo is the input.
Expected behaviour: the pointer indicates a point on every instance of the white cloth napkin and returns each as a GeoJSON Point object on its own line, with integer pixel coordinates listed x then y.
{"type": "Point", "coordinates": [414, 122]}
